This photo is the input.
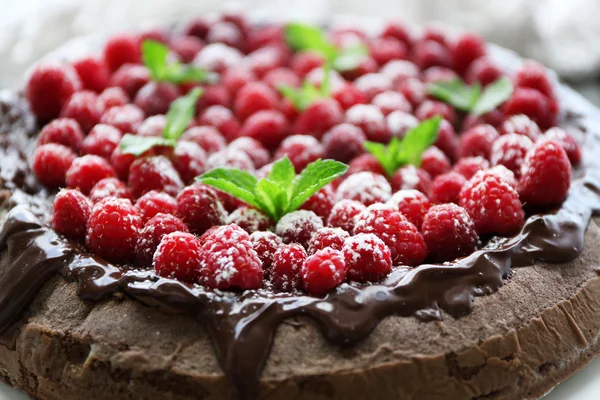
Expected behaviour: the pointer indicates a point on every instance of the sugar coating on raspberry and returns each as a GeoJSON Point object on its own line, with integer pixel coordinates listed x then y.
{"type": "Point", "coordinates": [348, 96]}
{"type": "Point", "coordinates": [155, 97]}
{"type": "Point", "coordinates": [449, 232]}
{"type": "Point", "coordinates": [412, 204]}
{"type": "Point", "coordinates": [86, 171]}
{"type": "Point", "coordinates": [230, 158]}
{"type": "Point", "coordinates": [269, 127]}
{"type": "Point", "coordinates": [301, 150]}
{"type": "Point", "coordinates": [482, 70]}
{"type": "Point", "coordinates": [228, 259]}
{"type": "Point", "coordinates": [71, 211]}
{"type": "Point", "coordinates": [317, 75]}
{"type": "Point", "coordinates": [501, 172]}
{"type": "Point", "coordinates": [478, 141]}
{"type": "Point", "coordinates": [112, 230]}
{"type": "Point", "coordinates": [320, 116]}
{"type": "Point", "coordinates": [321, 202]}
{"type": "Point", "coordinates": [533, 104]}
{"type": "Point", "coordinates": [469, 166]}
{"type": "Point", "coordinates": [323, 271]}
{"type": "Point", "coordinates": [224, 32]}
{"type": "Point", "coordinates": [432, 108]}
{"type": "Point", "coordinates": [373, 84]}
{"type": "Point", "coordinates": [435, 162]}
{"type": "Point", "coordinates": [371, 120]}
{"type": "Point", "coordinates": [154, 173]}
{"type": "Point", "coordinates": [343, 214]}
{"type": "Point", "coordinates": [65, 131]}
{"type": "Point", "coordinates": [265, 244]}
{"type": "Point", "coordinates": [414, 90]}
{"type": "Point", "coordinates": [83, 107]}
{"type": "Point", "coordinates": [112, 97]}
{"type": "Point", "coordinates": [249, 219]}
{"type": "Point", "coordinates": [222, 119]}
{"type": "Point", "coordinates": [48, 87]}
{"type": "Point", "coordinates": [151, 235]}
{"type": "Point", "coordinates": [327, 237]}
{"type": "Point", "coordinates": [447, 187]}
{"type": "Point", "coordinates": [286, 269]}
{"type": "Point", "coordinates": [400, 70]}
{"type": "Point", "coordinates": [110, 187]}
{"type": "Point", "coordinates": [152, 126]}
{"type": "Point", "coordinates": [522, 125]}
{"type": "Point", "coordinates": [51, 162]}
{"type": "Point", "coordinates": [411, 177]}
{"type": "Point", "coordinates": [218, 57]}
{"type": "Point", "coordinates": [178, 256]}
{"type": "Point", "coordinates": [155, 202]}
{"type": "Point", "coordinates": [367, 258]}
{"type": "Point", "coordinates": [567, 141]}
{"type": "Point", "coordinates": [127, 118]}
{"type": "Point", "coordinates": [254, 97]}
{"type": "Point", "coordinates": [533, 75]}
{"type": "Point", "coordinates": [101, 141]}
{"type": "Point", "coordinates": [282, 76]}
{"type": "Point", "coordinates": [509, 150]}
{"type": "Point", "coordinates": [207, 137]}
{"type": "Point", "coordinates": [429, 53]}
{"type": "Point", "coordinates": [364, 163]}
{"type": "Point", "coordinates": [344, 142]}
{"type": "Point", "coordinates": [365, 187]}
{"type": "Point", "coordinates": [190, 160]}
{"type": "Point", "coordinates": [254, 149]}
{"type": "Point", "coordinates": [390, 101]}
{"type": "Point", "coordinates": [400, 122]}
{"type": "Point", "coordinates": [130, 78]}
{"type": "Point", "coordinates": [298, 226]}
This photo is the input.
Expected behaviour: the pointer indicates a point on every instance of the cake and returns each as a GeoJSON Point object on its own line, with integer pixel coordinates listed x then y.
{"type": "Point", "coordinates": [453, 259]}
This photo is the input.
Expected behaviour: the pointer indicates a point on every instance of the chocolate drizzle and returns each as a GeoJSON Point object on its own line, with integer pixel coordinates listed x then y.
{"type": "Point", "coordinates": [242, 326]}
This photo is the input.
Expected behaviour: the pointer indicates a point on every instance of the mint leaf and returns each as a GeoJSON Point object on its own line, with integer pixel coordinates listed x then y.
{"type": "Point", "coordinates": [138, 145]}
{"type": "Point", "coordinates": [493, 95]}
{"type": "Point", "coordinates": [316, 175]}
{"type": "Point", "coordinates": [304, 37]}
{"type": "Point", "coordinates": [154, 56]}
{"type": "Point", "coordinates": [183, 73]}
{"type": "Point", "coordinates": [181, 113]}
{"type": "Point", "coordinates": [282, 172]}
{"type": "Point", "coordinates": [456, 93]}
{"type": "Point", "coordinates": [417, 140]}
{"type": "Point", "coordinates": [236, 182]}
{"type": "Point", "coordinates": [350, 58]}
{"type": "Point", "coordinates": [272, 198]}
{"type": "Point", "coordinates": [383, 155]}
{"type": "Point", "coordinates": [304, 96]}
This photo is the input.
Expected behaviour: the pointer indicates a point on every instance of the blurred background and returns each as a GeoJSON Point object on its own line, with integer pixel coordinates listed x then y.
{"type": "Point", "coordinates": [562, 34]}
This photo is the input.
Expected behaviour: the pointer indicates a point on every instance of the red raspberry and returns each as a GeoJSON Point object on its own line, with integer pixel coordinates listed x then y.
{"type": "Point", "coordinates": [327, 237]}
{"type": "Point", "coordinates": [410, 177]}
{"type": "Point", "coordinates": [301, 150]}
{"type": "Point", "coordinates": [130, 78]}
{"type": "Point", "coordinates": [398, 30]}
{"type": "Point", "coordinates": [152, 126]}
{"type": "Point", "coordinates": [568, 143]}
{"type": "Point", "coordinates": [446, 187]}
{"type": "Point", "coordinates": [343, 214]}
{"type": "Point", "coordinates": [178, 256]}
{"type": "Point", "coordinates": [403, 238]}
{"type": "Point", "coordinates": [189, 159]}
{"type": "Point", "coordinates": [112, 97]}
{"type": "Point", "coordinates": [501, 172]}
{"type": "Point", "coordinates": [447, 141]}
{"type": "Point", "coordinates": [399, 123]}
{"type": "Point", "coordinates": [227, 33]}
{"type": "Point", "coordinates": [436, 33]}
{"type": "Point", "coordinates": [151, 236]}
{"type": "Point", "coordinates": [414, 90]}
{"type": "Point", "coordinates": [546, 174]}
{"type": "Point", "coordinates": [370, 120]}
{"type": "Point", "coordinates": [265, 244]}
{"type": "Point", "coordinates": [493, 118]}
{"type": "Point", "coordinates": [465, 49]}
{"type": "Point", "coordinates": [254, 149]}
{"type": "Point", "coordinates": [321, 202]}
{"type": "Point", "coordinates": [199, 207]}
{"type": "Point", "coordinates": [153, 203]}
{"type": "Point", "coordinates": [468, 166]}
{"type": "Point", "coordinates": [127, 118]}
{"type": "Point", "coordinates": [400, 70]}
{"type": "Point", "coordinates": [101, 141]}
{"type": "Point", "coordinates": [348, 95]}
{"type": "Point", "coordinates": [533, 75]}
{"type": "Point", "coordinates": [428, 53]}
{"type": "Point", "coordinates": [112, 230]}
{"type": "Point", "coordinates": [218, 57]}
{"type": "Point", "coordinates": [229, 260]}
{"type": "Point", "coordinates": [230, 158]}
{"type": "Point", "coordinates": [484, 71]}
{"type": "Point", "coordinates": [365, 163]}
{"type": "Point", "coordinates": [197, 27]}
{"type": "Point", "coordinates": [122, 49]}
{"type": "Point", "coordinates": [155, 33]}
{"type": "Point", "coordinates": [323, 271]}
{"type": "Point", "coordinates": [412, 204]}
{"type": "Point", "coordinates": [522, 125]}
{"type": "Point", "coordinates": [367, 65]}
{"type": "Point", "coordinates": [65, 131]}
{"type": "Point", "coordinates": [435, 162]}
{"type": "Point", "coordinates": [222, 119]}
{"type": "Point", "coordinates": [318, 118]}
{"type": "Point", "coordinates": [110, 187]}
{"type": "Point", "coordinates": [86, 171]}
{"type": "Point", "coordinates": [438, 74]}
{"type": "Point", "coordinates": [156, 97]}
{"type": "Point", "coordinates": [266, 59]}
{"type": "Point", "coordinates": [265, 35]}
{"type": "Point", "coordinates": [431, 108]}
{"type": "Point", "coordinates": [286, 270]}
{"type": "Point", "coordinates": [493, 205]}
{"type": "Point", "coordinates": [235, 79]}
{"type": "Point", "coordinates": [533, 104]}
{"type": "Point", "coordinates": [186, 47]}
{"type": "Point", "coordinates": [298, 226]}
{"type": "Point", "coordinates": [510, 150]}
{"type": "Point", "coordinates": [367, 258]}
{"type": "Point", "coordinates": [83, 107]}
{"type": "Point", "coordinates": [121, 163]}
{"type": "Point", "coordinates": [281, 76]}
{"type": "Point", "coordinates": [71, 212]}
{"type": "Point", "coordinates": [269, 127]}
{"type": "Point", "coordinates": [306, 61]}
{"type": "Point", "coordinates": [344, 142]}
{"type": "Point", "coordinates": [154, 173]}
{"type": "Point", "coordinates": [93, 73]}
{"type": "Point", "coordinates": [206, 137]}
{"type": "Point", "coordinates": [449, 232]}
{"type": "Point", "coordinates": [478, 141]}
{"type": "Point", "coordinates": [384, 50]}
{"type": "Point", "coordinates": [254, 97]}
{"type": "Point", "coordinates": [249, 219]}
{"type": "Point", "coordinates": [214, 95]}
{"type": "Point", "coordinates": [49, 87]}
{"type": "Point", "coordinates": [389, 102]}
{"type": "Point", "coordinates": [365, 187]}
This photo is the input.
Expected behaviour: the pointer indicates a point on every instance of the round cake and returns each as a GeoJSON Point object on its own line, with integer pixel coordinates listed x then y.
{"type": "Point", "coordinates": [229, 210]}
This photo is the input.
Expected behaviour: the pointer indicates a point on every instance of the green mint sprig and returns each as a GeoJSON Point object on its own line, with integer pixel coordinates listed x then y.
{"type": "Point", "coordinates": [155, 56]}
{"type": "Point", "coordinates": [180, 113]}
{"type": "Point", "coordinates": [472, 98]}
{"type": "Point", "coordinates": [282, 191]}
{"type": "Point", "coordinates": [308, 93]}
{"type": "Point", "coordinates": [408, 150]}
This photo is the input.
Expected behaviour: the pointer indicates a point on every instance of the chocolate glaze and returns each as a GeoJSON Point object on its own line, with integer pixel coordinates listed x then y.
{"type": "Point", "coordinates": [242, 326]}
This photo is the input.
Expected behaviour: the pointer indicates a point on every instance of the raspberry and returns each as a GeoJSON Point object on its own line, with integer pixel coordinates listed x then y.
{"type": "Point", "coordinates": [83, 107]}
{"type": "Point", "coordinates": [546, 174]}
{"type": "Point", "coordinates": [431, 108]}
{"type": "Point", "coordinates": [435, 162]}
{"type": "Point", "coordinates": [306, 61]}
{"type": "Point", "coordinates": [318, 118]}
{"type": "Point", "coordinates": [321, 202]}
{"type": "Point", "coordinates": [403, 238]}
{"type": "Point", "coordinates": [186, 47]}
{"type": "Point", "coordinates": [522, 125]}
{"type": "Point", "coordinates": [446, 187]}
{"type": "Point", "coordinates": [366, 187]}
{"type": "Point", "coordinates": [101, 141]}
{"type": "Point", "coordinates": [510, 150]}
{"type": "Point", "coordinates": [155, 202]}
{"type": "Point", "coordinates": [281, 77]}
{"type": "Point", "coordinates": [229, 260]}
{"type": "Point", "coordinates": [268, 34]}
{"type": "Point", "coordinates": [189, 159]}
{"type": "Point", "coordinates": [412, 204]}
{"type": "Point", "coordinates": [447, 141]}
{"type": "Point", "coordinates": [389, 102]}
{"type": "Point", "coordinates": [86, 171]}
{"type": "Point", "coordinates": [384, 50]}
{"type": "Point", "coordinates": [436, 33]}
{"type": "Point", "coordinates": [227, 33]}
{"type": "Point", "coordinates": [286, 269]}
{"type": "Point", "coordinates": [127, 118]}
{"type": "Point", "coordinates": [214, 95]}
{"type": "Point", "coordinates": [533, 75]}
{"type": "Point", "coordinates": [467, 48]}
{"type": "Point", "coordinates": [323, 271]}
{"type": "Point", "coordinates": [567, 142]}
{"type": "Point", "coordinates": [235, 79]}
{"type": "Point", "coordinates": [93, 73]}
{"type": "Point", "coordinates": [150, 236]}
{"type": "Point", "coordinates": [238, 19]}
{"type": "Point", "coordinates": [112, 230]}
{"type": "Point", "coordinates": [414, 90]}
{"type": "Point", "coordinates": [373, 84]}
{"type": "Point", "coordinates": [429, 54]}
{"type": "Point", "coordinates": [477, 141]}
{"type": "Point", "coordinates": [468, 166]}
{"type": "Point", "coordinates": [493, 205]}
{"type": "Point", "coordinates": [371, 120]}
{"type": "Point", "coordinates": [493, 118]}
{"type": "Point", "coordinates": [199, 207]}
{"type": "Point", "coordinates": [344, 142]}
{"type": "Point", "coordinates": [533, 104]}
{"type": "Point", "coordinates": [121, 163]}
{"type": "Point", "coordinates": [254, 97]}
{"type": "Point", "coordinates": [438, 74]}
{"type": "Point", "coordinates": [178, 256]}
{"type": "Point", "coordinates": [399, 123]}
{"type": "Point", "coordinates": [109, 187]}
{"type": "Point", "coordinates": [218, 57]}
{"type": "Point", "coordinates": [152, 126]}
{"type": "Point", "coordinates": [409, 177]}
{"type": "Point", "coordinates": [49, 87]}
{"type": "Point", "coordinates": [367, 258]}
{"type": "Point", "coordinates": [266, 59]}
{"type": "Point", "coordinates": [301, 150]}
{"type": "Point", "coordinates": [269, 127]}
{"type": "Point", "coordinates": [156, 97]}
{"type": "Point", "coordinates": [157, 34]}
{"type": "Point", "coordinates": [484, 71]}
{"type": "Point", "coordinates": [206, 137]}
{"type": "Point", "coordinates": [70, 214]}
{"type": "Point", "coordinates": [222, 119]}
{"type": "Point", "coordinates": [198, 27]}
{"type": "Point", "coordinates": [365, 163]}
{"type": "Point", "coordinates": [298, 226]}
{"type": "Point", "coordinates": [249, 219]}
{"type": "Point", "coordinates": [266, 244]}
{"type": "Point", "coordinates": [449, 232]}
{"type": "Point", "coordinates": [122, 49]}
{"type": "Point", "coordinates": [65, 131]}
{"type": "Point", "coordinates": [112, 97]}
{"type": "Point", "coordinates": [398, 30]}
{"type": "Point", "coordinates": [400, 70]}
{"type": "Point", "coordinates": [130, 78]}
{"type": "Point", "coordinates": [343, 214]}
{"type": "Point", "coordinates": [501, 172]}
{"type": "Point", "coordinates": [348, 95]}
{"type": "Point", "coordinates": [230, 158]}
{"type": "Point", "coordinates": [154, 173]}
{"type": "Point", "coordinates": [254, 149]}
{"type": "Point", "coordinates": [327, 237]}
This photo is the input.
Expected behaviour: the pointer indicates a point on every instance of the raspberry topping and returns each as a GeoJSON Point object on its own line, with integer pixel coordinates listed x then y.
{"type": "Point", "coordinates": [110, 187]}
{"type": "Point", "coordinates": [51, 162]}
{"type": "Point", "coordinates": [189, 159]}
{"type": "Point", "coordinates": [323, 271]}
{"type": "Point", "coordinates": [435, 162]}
{"type": "Point", "coordinates": [367, 258]}
{"type": "Point", "coordinates": [343, 214]}
{"type": "Point", "coordinates": [370, 120]}
{"type": "Point", "coordinates": [409, 177]}
{"type": "Point", "coordinates": [93, 73]}
{"type": "Point", "coordinates": [366, 187]}
{"type": "Point", "coordinates": [568, 143]}
{"type": "Point", "coordinates": [254, 149]}
{"type": "Point", "coordinates": [298, 226]}
{"type": "Point", "coordinates": [49, 87]}
{"type": "Point", "coordinates": [86, 171]}
{"type": "Point", "coordinates": [522, 125]}
{"type": "Point", "coordinates": [127, 118]}
{"type": "Point", "coordinates": [265, 244]}
{"type": "Point", "coordinates": [327, 237]}
{"type": "Point", "coordinates": [412, 204]}
{"type": "Point", "coordinates": [122, 49]}
{"type": "Point", "coordinates": [269, 127]}
{"type": "Point", "coordinates": [200, 208]}
{"type": "Point", "coordinates": [478, 141]}
{"type": "Point", "coordinates": [318, 118]}
{"type": "Point", "coordinates": [154, 173]}
{"type": "Point", "coordinates": [65, 131]}
{"type": "Point", "coordinates": [301, 150]}
{"type": "Point", "coordinates": [446, 187]}
{"type": "Point", "coordinates": [321, 202]}
{"type": "Point", "coordinates": [468, 166]}
{"type": "Point", "coordinates": [344, 142]}
{"type": "Point", "coordinates": [509, 150]}
{"type": "Point", "coordinates": [222, 119]}
{"type": "Point", "coordinates": [101, 141]}
{"type": "Point", "coordinates": [178, 256]}
{"type": "Point", "coordinates": [84, 108]}
{"type": "Point", "coordinates": [150, 236]}
{"type": "Point", "coordinates": [155, 202]}
{"type": "Point", "coordinates": [155, 97]}
{"type": "Point", "coordinates": [286, 269]}
{"type": "Point", "coordinates": [249, 219]}
{"type": "Point", "coordinates": [71, 211]}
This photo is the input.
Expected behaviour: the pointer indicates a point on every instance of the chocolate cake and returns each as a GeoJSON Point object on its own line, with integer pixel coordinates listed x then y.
{"type": "Point", "coordinates": [510, 320]}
